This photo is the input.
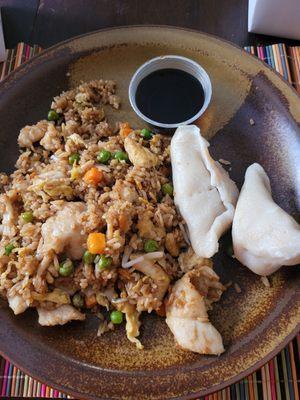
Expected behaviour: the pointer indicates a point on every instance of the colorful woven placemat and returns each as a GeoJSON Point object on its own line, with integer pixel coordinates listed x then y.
{"type": "Point", "coordinates": [278, 379]}
{"type": "Point", "coordinates": [284, 59]}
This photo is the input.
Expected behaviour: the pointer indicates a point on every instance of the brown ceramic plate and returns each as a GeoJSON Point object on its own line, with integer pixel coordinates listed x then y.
{"type": "Point", "coordinates": [255, 323]}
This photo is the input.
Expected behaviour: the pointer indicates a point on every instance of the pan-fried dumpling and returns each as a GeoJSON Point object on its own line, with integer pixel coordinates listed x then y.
{"type": "Point", "coordinates": [264, 236]}
{"type": "Point", "coordinates": [204, 193]}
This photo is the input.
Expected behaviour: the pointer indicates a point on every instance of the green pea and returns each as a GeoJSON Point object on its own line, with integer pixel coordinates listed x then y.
{"type": "Point", "coordinates": [104, 156]}
{"type": "Point", "coordinates": [74, 158]}
{"type": "Point", "coordinates": [103, 262]}
{"type": "Point", "coordinates": [66, 268]}
{"type": "Point", "coordinates": [167, 188]}
{"type": "Point", "coordinates": [52, 115]}
{"type": "Point", "coordinates": [146, 134]}
{"type": "Point", "coordinates": [116, 317]}
{"type": "Point", "coordinates": [150, 246]}
{"type": "Point", "coordinates": [121, 156]}
{"type": "Point", "coordinates": [9, 248]}
{"type": "Point", "coordinates": [88, 258]}
{"type": "Point", "coordinates": [78, 300]}
{"type": "Point", "coordinates": [27, 216]}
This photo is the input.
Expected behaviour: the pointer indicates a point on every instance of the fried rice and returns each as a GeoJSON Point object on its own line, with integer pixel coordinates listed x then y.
{"type": "Point", "coordinates": [52, 203]}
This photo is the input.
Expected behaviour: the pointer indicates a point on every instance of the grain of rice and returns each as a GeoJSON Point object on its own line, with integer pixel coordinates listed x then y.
{"type": "Point", "coordinates": [237, 288]}
{"type": "Point", "coordinates": [265, 281]}
{"type": "Point", "coordinates": [224, 162]}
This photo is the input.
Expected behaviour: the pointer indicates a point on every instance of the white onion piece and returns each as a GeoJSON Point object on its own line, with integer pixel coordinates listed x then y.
{"type": "Point", "coordinates": [117, 301]}
{"type": "Point", "coordinates": [127, 253]}
{"type": "Point", "coordinates": [133, 262]}
{"type": "Point", "coordinates": [155, 255]}
{"type": "Point", "coordinates": [149, 256]}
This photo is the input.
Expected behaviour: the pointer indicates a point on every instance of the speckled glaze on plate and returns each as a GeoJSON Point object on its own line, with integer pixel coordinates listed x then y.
{"type": "Point", "coordinates": [255, 323]}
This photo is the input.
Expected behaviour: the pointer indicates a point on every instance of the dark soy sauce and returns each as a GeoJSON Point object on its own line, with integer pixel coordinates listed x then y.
{"type": "Point", "coordinates": [169, 96]}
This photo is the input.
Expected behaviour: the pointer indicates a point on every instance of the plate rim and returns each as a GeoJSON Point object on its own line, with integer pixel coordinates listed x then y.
{"type": "Point", "coordinates": [120, 27]}
{"type": "Point", "coordinates": [192, 396]}
{"type": "Point", "coordinates": [22, 69]}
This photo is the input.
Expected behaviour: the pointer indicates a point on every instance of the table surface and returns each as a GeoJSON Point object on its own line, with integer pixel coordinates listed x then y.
{"type": "Point", "coordinates": [46, 22]}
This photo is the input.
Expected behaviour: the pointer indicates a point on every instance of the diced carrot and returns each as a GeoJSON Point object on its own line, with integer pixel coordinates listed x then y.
{"type": "Point", "coordinates": [96, 243]}
{"type": "Point", "coordinates": [93, 176]}
{"type": "Point", "coordinates": [125, 129]}
{"type": "Point", "coordinates": [90, 301]}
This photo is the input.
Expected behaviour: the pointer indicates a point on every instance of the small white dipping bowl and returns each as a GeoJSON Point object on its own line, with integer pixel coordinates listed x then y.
{"type": "Point", "coordinates": [172, 62]}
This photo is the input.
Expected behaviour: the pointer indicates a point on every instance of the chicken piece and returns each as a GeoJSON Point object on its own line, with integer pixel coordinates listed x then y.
{"type": "Point", "coordinates": [139, 155]}
{"type": "Point", "coordinates": [70, 127]}
{"type": "Point", "coordinates": [157, 274]}
{"type": "Point", "coordinates": [17, 304]}
{"type": "Point", "coordinates": [124, 191]}
{"type": "Point", "coordinates": [52, 139]}
{"type": "Point", "coordinates": [204, 193]}
{"type": "Point", "coordinates": [31, 134]}
{"type": "Point", "coordinates": [59, 316]}
{"type": "Point", "coordinates": [189, 260]}
{"type": "Point", "coordinates": [57, 296]}
{"type": "Point", "coordinates": [186, 311]}
{"type": "Point", "coordinates": [9, 217]}
{"type": "Point", "coordinates": [74, 142]}
{"type": "Point", "coordinates": [264, 236]}
{"type": "Point", "coordinates": [54, 171]}
{"type": "Point", "coordinates": [54, 181]}
{"type": "Point", "coordinates": [64, 233]}
{"type": "Point", "coordinates": [46, 260]}
{"type": "Point", "coordinates": [172, 245]}
{"type": "Point", "coordinates": [147, 229]}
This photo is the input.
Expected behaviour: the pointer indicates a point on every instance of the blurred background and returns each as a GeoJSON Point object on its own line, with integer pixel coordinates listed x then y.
{"type": "Point", "coordinates": [46, 22]}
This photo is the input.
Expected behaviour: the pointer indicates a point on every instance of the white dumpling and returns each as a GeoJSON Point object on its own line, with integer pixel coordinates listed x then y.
{"type": "Point", "coordinates": [264, 236]}
{"type": "Point", "coordinates": [203, 191]}
{"type": "Point", "coordinates": [186, 311]}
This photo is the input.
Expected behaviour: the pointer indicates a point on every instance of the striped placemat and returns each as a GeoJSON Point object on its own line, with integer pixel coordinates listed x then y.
{"type": "Point", "coordinates": [279, 379]}
{"type": "Point", "coordinates": [284, 59]}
